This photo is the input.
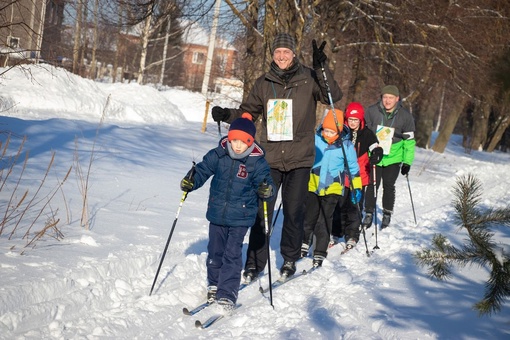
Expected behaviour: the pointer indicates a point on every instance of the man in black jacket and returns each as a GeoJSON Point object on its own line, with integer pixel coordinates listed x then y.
{"type": "Point", "coordinates": [286, 98]}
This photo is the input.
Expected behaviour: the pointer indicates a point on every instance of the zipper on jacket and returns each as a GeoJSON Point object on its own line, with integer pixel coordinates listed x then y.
{"type": "Point", "coordinates": [227, 193]}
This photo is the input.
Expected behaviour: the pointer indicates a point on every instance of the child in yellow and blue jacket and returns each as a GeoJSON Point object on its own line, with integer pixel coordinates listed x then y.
{"type": "Point", "coordinates": [335, 157]}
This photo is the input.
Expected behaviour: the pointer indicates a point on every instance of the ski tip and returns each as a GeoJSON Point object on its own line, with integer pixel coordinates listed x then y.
{"type": "Point", "coordinates": [186, 311]}
{"type": "Point", "coordinates": [198, 324]}
{"type": "Point", "coordinates": [261, 289]}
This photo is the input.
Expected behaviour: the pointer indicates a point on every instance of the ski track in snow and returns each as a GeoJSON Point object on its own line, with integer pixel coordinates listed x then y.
{"type": "Point", "coordinates": [109, 297]}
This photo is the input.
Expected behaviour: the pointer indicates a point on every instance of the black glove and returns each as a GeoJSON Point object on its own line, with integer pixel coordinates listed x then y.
{"type": "Point", "coordinates": [265, 190]}
{"type": "Point", "coordinates": [405, 169]}
{"type": "Point", "coordinates": [220, 114]}
{"type": "Point", "coordinates": [187, 184]}
{"type": "Point", "coordinates": [377, 155]}
{"type": "Point", "coordinates": [319, 57]}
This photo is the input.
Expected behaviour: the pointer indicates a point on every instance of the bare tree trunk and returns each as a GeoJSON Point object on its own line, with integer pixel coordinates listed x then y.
{"type": "Point", "coordinates": [117, 49]}
{"type": "Point", "coordinates": [84, 39]}
{"type": "Point", "coordinates": [145, 43]}
{"type": "Point", "coordinates": [481, 115]}
{"type": "Point", "coordinates": [93, 62]}
{"type": "Point", "coordinates": [446, 129]}
{"type": "Point", "coordinates": [427, 107]}
{"type": "Point", "coordinates": [165, 47]}
{"type": "Point", "coordinates": [440, 114]}
{"type": "Point", "coordinates": [253, 43]}
{"type": "Point", "coordinates": [498, 135]}
{"type": "Point", "coordinates": [77, 36]}
{"type": "Point", "coordinates": [270, 31]}
{"type": "Point", "coordinates": [502, 123]}
{"type": "Point", "coordinates": [358, 82]}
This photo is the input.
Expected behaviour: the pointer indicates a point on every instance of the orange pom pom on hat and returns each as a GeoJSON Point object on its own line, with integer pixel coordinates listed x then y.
{"type": "Point", "coordinates": [242, 129]}
{"type": "Point", "coordinates": [329, 123]}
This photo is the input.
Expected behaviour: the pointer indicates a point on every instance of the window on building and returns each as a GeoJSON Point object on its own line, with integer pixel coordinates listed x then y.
{"type": "Point", "coordinates": [13, 42]}
{"type": "Point", "coordinates": [222, 63]}
{"type": "Point", "coordinates": [198, 58]}
{"type": "Point", "coordinates": [233, 66]}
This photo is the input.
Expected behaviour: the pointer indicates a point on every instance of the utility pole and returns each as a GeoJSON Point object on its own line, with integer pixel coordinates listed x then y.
{"type": "Point", "coordinates": [208, 63]}
{"type": "Point", "coordinates": [210, 51]}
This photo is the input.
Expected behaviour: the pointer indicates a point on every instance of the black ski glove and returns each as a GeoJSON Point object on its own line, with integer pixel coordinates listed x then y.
{"type": "Point", "coordinates": [405, 169]}
{"type": "Point", "coordinates": [220, 114]}
{"type": "Point", "coordinates": [265, 190]}
{"type": "Point", "coordinates": [377, 155]}
{"type": "Point", "coordinates": [319, 57]}
{"type": "Point", "coordinates": [187, 184]}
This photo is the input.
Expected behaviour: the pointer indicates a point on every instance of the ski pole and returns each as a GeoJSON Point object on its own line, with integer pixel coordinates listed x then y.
{"type": "Point", "coordinates": [183, 198]}
{"type": "Point", "coordinates": [412, 204]}
{"type": "Point", "coordinates": [219, 130]}
{"type": "Point", "coordinates": [375, 205]}
{"type": "Point", "coordinates": [266, 225]}
{"type": "Point", "coordinates": [276, 217]}
{"type": "Point", "coordinates": [360, 216]}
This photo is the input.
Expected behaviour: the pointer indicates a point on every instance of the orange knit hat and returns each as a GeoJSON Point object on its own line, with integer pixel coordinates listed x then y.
{"type": "Point", "coordinates": [329, 120]}
{"type": "Point", "coordinates": [329, 123]}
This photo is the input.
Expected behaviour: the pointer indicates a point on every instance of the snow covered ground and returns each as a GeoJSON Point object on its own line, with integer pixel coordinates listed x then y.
{"type": "Point", "coordinates": [94, 284]}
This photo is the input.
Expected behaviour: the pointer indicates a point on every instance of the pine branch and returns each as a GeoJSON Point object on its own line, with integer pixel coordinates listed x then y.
{"type": "Point", "coordinates": [479, 248]}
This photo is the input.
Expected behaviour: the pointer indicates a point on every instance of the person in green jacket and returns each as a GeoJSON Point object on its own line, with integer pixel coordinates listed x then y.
{"type": "Point", "coordinates": [394, 127]}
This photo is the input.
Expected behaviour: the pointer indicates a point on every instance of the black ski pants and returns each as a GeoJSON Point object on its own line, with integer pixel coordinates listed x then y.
{"type": "Point", "coordinates": [388, 175]}
{"type": "Point", "coordinates": [294, 186]}
{"type": "Point", "coordinates": [346, 218]}
{"type": "Point", "coordinates": [318, 221]}
{"type": "Point", "coordinates": [225, 259]}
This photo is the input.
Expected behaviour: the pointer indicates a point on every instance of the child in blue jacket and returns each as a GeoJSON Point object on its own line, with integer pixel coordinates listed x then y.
{"type": "Point", "coordinates": [240, 176]}
{"type": "Point", "coordinates": [333, 157]}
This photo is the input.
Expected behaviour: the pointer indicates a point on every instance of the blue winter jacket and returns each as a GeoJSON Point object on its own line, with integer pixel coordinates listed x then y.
{"type": "Point", "coordinates": [329, 168]}
{"type": "Point", "coordinates": [233, 198]}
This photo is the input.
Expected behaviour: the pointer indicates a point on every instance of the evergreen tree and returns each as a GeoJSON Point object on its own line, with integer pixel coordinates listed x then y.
{"type": "Point", "coordinates": [479, 248]}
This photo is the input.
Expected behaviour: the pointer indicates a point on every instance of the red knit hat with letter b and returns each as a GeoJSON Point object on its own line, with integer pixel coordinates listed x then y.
{"type": "Point", "coordinates": [242, 129]}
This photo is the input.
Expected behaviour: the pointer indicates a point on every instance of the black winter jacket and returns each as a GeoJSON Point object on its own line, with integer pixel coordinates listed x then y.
{"type": "Point", "coordinates": [306, 87]}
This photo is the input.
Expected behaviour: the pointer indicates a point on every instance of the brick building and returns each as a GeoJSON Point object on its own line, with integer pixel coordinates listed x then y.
{"type": "Point", "coordinates": [28, 27]}
{"type": "Point", "coordinates": [224, 70]}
